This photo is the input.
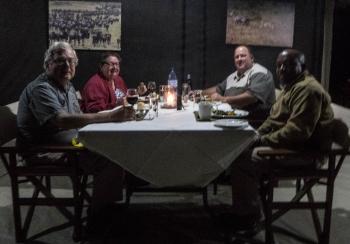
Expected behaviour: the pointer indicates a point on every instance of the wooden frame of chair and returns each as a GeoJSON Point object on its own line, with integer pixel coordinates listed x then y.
{"type": "Point", "coordinates": [310, 178]}
{"type": "Point", "coordinates": [39, 177]}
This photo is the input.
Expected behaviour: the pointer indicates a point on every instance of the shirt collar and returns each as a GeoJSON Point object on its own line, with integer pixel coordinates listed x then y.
{"type": "Point", "coordinates": [237, 78]}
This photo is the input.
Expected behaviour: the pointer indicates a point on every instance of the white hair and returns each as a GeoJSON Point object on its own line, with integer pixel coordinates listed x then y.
{"type": "Point", "coordinates": [54, 48]}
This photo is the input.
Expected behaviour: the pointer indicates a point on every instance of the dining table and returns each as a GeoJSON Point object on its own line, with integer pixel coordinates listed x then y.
{"type": "Point", "coordinates": [170, 148]}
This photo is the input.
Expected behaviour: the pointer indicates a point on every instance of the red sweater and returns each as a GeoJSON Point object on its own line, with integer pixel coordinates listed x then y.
{"type": "Point", "coordinates": [98, 95]}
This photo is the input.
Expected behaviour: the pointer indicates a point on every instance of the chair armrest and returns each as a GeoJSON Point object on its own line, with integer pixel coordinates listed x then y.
{"type": "Point", "coordinates": [10, 147]}
{"type": "Point", "coordinates": [284, 152]}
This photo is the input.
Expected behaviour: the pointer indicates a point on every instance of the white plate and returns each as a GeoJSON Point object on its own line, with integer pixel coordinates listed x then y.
{"type": "Point", "coordinates": [223, 106]}
{"type": "Point", "coordinates": [238, 114]}
{"type": "Point", "coordinates": [232, 123]}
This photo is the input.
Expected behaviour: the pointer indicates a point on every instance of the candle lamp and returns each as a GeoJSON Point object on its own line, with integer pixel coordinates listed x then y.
{"type": "Point", "coordinates": [169, 97]}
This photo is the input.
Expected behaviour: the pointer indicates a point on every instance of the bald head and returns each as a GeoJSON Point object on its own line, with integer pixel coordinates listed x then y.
{"type": "Point", "coordinates": [243, 58]}
{"type": "Point", "coordinates": [290, 64]}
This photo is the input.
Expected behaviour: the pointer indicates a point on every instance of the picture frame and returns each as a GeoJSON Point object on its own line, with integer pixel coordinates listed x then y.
{"type": "Point", "coordinates": [85, 25]}
{"type": "Point", "coordinates": [264, 23]}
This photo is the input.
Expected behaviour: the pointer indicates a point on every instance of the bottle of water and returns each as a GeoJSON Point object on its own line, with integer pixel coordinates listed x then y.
{"type": "Point", "coordinates": [172, 80]}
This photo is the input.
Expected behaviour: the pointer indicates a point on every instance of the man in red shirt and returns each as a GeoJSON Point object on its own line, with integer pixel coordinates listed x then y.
{"type": "Point", "coordinates": [106, 89]}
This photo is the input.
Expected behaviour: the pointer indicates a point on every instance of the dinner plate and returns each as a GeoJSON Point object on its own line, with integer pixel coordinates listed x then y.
{"type": "Point", "coordinates": [237, 114]}
{"type": "Point", "coordinates": [232, 123]}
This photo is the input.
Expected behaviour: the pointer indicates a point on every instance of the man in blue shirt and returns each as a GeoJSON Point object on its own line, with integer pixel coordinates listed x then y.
{"type": "Point", "coordinates": [49, 112]}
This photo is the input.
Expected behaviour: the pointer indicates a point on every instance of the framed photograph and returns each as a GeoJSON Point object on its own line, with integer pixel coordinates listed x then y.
{"type": "Point", "coordinates": [265, 23]}
{"type": "Point", "coordinates": [86, 25]}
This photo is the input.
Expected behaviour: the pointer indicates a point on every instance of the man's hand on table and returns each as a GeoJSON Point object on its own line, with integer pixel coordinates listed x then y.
{"type": "Point", "coordinates": [217, 97]}
{"type": "Point", "coordinates": [126, 113]}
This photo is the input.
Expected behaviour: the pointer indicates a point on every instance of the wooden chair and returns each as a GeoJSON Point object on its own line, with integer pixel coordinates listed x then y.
{"type": "Point", "coordinates": [39, 176]}
{"type": "Point", "coordinates": [306, 178]}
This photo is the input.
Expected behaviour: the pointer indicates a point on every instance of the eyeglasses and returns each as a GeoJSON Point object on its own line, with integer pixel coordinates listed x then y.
{"type": "Point", "coordinates": [63, 61]}
{"type": "Point", "coordinates": [111, 64]}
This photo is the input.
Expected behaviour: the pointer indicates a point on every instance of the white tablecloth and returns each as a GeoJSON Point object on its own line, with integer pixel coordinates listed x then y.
{"type": "Point", "coordinates": [173, 149]}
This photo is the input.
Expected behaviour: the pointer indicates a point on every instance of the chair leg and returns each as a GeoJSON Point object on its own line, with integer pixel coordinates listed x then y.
{"type": "Point", "coordinates": [17, 211]}
{"type": "Point", "coordinates": [298, 185]}
{"type": "Point", "coordinates": [20, 237]}
{"type": "Point", "coordinates": [48, 183]}
{"type": "Point", "coordinates": [128, 195]}
{"type": "Point", "coordinates": [78, 205]}
{"type": "Point", "coordinates": [30, 212]}
{"type": "Point", "coordinates": [314, 214]}
{"type": "Point", "coordinates": [205, 197]}
{"type": "Point", "coordinates": [269, 239]}
{"type": "Point", "coordinates": [324, 239]}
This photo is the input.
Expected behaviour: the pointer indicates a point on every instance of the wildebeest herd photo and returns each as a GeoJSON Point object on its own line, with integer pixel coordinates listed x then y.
{"type": "Point", "coordinates": [86, 25]}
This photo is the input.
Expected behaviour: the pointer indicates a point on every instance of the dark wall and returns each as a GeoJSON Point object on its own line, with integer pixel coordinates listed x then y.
{"type": "Point", "coordinates": [152, 42]}
{"type": "Point", "coordinates": [340, 72]}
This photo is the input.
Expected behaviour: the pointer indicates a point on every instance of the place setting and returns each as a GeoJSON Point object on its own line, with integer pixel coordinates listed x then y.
{"type": "Point", "coordinates": [142, 105]}
{"type": "Point", "coordinates": [222, 114]}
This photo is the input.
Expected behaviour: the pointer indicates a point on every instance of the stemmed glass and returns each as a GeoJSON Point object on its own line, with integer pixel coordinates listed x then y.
{"type": "Point", "coordinates": [161, 92]}
{"type": "Point", "coordinates": [132, 96]}
{"type": "Point", "coordinates": [154, 101]}
{"type": "Point", "coordinates": [151, 86]}
{"type": "Point", "coordinates": [185, 94]}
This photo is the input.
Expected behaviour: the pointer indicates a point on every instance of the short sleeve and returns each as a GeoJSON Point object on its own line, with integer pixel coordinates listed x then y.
{"type": "Point", "coordinates": [45, 103]}
{"type": "Point", "coordinates": [221, 87]}
{"type": "Point", "coordinates": [262, 87]}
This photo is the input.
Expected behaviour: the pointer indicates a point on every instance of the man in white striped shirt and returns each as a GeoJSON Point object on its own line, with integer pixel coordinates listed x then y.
{"type": "Point", "coordinates": [250, 87]}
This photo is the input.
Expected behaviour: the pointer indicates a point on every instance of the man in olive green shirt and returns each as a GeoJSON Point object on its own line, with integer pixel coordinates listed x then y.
{"type": "Point", "coordinates": [302, 114]}
{"type": "Point", "coordinates": [300, 119]}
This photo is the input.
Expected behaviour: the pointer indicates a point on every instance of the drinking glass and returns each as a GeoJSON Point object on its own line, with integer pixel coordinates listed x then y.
{"type": "Point", "coordinates": [132, 96]}
{"type": "Point", "coordinates": [197, 96]}
{"type": "Point", "coordinates": [185, 94]}
{"type": "Point", "coordinates": [142, 89]}
{"type": "Point", "coordinates": [151, 86]}
{"type": "Point", "coordinates": [154, 101]}
{"type": "Point", "coordinates": [161, 93]}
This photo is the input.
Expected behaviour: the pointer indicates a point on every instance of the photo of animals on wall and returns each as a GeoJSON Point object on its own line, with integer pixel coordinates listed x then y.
{"type": "Point", "coordinates": [262, 23]}
{"type": "Point", "coordinates": [86, 25]}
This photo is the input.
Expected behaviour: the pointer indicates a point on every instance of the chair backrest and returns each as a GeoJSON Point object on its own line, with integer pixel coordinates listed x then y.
{"type": "Point", "coordinates": [277, 92]}
{"type": "Point", "coordinates": [8, 124]}
{"type": "Point", "coordinates": [340, 133]}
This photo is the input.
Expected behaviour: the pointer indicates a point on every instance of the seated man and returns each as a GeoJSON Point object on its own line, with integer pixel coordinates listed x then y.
{"type": "Point", "coordinates": [301, 118]}
{"type": "Point", "coordinates": [106, 89]}
{"type": "Point", "coordinates": [49, 112]}
{"type": "Point", "coordinates": [250, 87]}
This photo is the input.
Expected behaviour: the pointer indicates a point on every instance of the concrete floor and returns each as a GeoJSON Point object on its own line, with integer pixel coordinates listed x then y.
{"type": "Point", "coordinates": [160, 218]}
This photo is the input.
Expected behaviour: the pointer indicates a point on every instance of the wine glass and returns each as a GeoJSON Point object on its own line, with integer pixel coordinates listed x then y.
{"type": "Point", "coordinates": [185, 93]}
{"type": "Point", "coordinates": [132, 96]}
{"type": "Point", "coordinates": [142, 89]}
{"type": "Point", "coordinates": [161, 92]}
{"type": "Point", "coordinates": [151, 86]}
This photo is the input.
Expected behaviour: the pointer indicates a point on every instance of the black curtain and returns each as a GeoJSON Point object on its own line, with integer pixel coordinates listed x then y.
{"type": "Point", "coordinates": [156, 35]}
